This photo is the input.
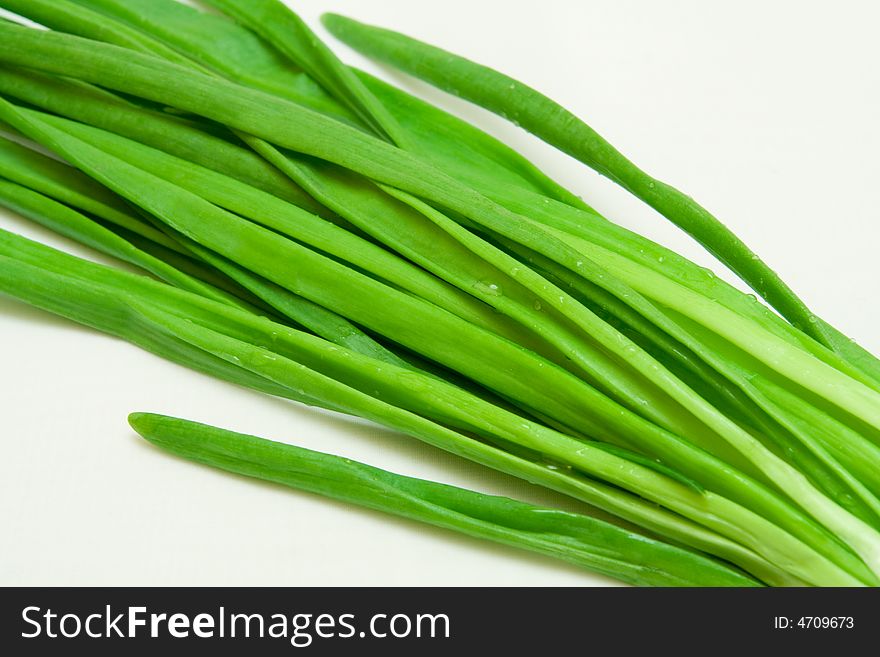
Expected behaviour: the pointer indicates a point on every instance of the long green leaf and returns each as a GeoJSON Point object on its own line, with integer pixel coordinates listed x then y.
{"type": "Point", "coordinates": [579, 539]}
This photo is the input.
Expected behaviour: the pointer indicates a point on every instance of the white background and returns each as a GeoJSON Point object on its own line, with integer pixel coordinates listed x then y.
{"type": "Point", "coordinates": [766, 112]}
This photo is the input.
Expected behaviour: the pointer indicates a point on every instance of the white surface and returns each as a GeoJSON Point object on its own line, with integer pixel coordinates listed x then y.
{"type": "Point", "coordinates": [765, 112]}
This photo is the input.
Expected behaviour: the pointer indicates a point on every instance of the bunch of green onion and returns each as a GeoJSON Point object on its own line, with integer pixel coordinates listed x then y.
{"type": "Point", "coordinates": [314, 233]}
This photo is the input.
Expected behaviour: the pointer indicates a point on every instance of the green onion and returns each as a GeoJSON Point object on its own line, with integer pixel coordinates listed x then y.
{"type": "Point", "coordinates": [554, 124]}
{"type": "Point", "coordinates": [330, 239]}
{"type": "Point", "coordinates": [578, 539]}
